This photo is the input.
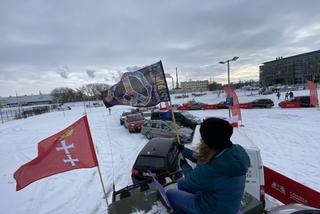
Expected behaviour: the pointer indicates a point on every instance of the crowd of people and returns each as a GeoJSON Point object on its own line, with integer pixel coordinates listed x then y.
{"type": "Point", "coordinates": [288, 95]}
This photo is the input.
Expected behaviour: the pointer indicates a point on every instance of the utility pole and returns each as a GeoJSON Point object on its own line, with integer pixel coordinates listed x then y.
{"type": "Point", "coordinates": [177, 82]}
{"type": "Point", "coordinates": [224, 62]}
{"type": "Point", "coordinates": [19, 106]}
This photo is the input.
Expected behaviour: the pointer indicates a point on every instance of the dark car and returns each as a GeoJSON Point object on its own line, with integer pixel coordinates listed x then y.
{"type": "Point", "coordinates": [196, 106]}
{"type": "Point", "coordinates": [222, 105]}
{"type": "Point", "coordinates": [133, 122]}
{"type": "Point", "coordinates": [299, 101]}
{"type": "Point", "coordinates": [158, 156]}
{"type": "Point", "coordinates": [183, 118]}
{"type": "Point", "coordinates": [262, 103]}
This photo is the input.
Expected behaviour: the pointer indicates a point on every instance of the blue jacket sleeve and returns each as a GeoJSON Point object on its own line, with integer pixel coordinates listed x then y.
{"type": "Point", "coordinates": [197, 178]}
{"type": "Point", "coordinates": [188, 153]}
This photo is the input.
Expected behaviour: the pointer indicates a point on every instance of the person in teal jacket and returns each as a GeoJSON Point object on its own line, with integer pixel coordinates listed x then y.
{"type": "Point", "coordinates": [216, 184]}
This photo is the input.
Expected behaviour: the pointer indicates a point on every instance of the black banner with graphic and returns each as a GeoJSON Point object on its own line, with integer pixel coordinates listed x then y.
{"type": "Point", "coordinates": [141, 88]}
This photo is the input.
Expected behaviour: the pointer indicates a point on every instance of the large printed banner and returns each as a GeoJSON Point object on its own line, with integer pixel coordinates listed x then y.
{"type": "Point", "coordinates": [141, 88]}
{"type": "Point", "coordinates": [288, 191]}
{"type": "Point", "coordinates": [313, 93]}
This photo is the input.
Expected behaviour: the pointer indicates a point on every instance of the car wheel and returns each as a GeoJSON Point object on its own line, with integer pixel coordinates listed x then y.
{"type": "Point", "coordinates": [148, 136]}
{"type": "Point", "coordinates": [130, 131]}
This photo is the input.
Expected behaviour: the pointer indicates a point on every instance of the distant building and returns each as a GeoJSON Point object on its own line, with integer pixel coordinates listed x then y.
{"type": "Point", "coordinates": [193, 86]}
{"type": "Point", "coordinates": [26, 100]}
{"type": "Point", "coordinates": [291, 70]}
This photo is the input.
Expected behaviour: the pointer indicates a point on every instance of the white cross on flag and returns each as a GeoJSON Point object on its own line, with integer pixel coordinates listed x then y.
{"type": "Point", "coordinates": [72, 148]}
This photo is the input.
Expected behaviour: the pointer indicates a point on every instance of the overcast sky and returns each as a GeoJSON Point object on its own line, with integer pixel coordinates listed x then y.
{"type": "Point", "coordinates": [62, 43]}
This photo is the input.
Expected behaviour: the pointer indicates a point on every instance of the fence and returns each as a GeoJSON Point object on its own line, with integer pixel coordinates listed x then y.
{"type": "Point", "coordinates": [14, 113]}
{"type": "Point", "coordinates": [288, 191]}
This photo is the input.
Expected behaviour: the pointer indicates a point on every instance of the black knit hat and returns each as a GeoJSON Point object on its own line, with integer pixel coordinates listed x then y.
{"type": "Point", "coordinates": [216, 133]}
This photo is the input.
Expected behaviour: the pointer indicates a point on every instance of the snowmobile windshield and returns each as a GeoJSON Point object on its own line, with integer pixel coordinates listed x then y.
{"type": "Point", "coordinates": [151, 161]}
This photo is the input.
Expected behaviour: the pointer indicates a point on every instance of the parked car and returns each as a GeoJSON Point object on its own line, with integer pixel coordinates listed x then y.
{"type": "Point", "coordinates": [262, 103]}
{"type": "Point", "coordinates": [146, 115]}
{"type": "Point", "coordinates": [183, 107]}
{"type": "Point", "coordinates": [173, 106]}
{"type": "Point", "coordinates": [196, 106]}
{"type": "Point", "coordinates": [222, 105]}
{"type": "Point", "coordinates": [160, 128]}
{"type": "Point", "coordinates": [258, 103]}
{"type": "Point", "coordinates": [141, 109]}
{"type": "Point", "coordinates": [96, 104]}
{"type": "Point", "coordinates": [158, 156]}
{"type": "Point", "coordinates": [296, 102]}
{"type": "Point", "coordinates": [183, 118]}
{"type": "Point", "coordinates": [186, 119]}
{"type": "Point", "coordinates": [133, 122]}
{"type": "Point", "coordinates": [209, 106]}
{"type": "Point", "coordinates": [123, 116]}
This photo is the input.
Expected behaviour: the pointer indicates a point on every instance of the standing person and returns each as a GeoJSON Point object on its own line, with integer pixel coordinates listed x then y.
{"type": "Point", "coordinates": [278, 95]}
{"type": "Point", "coordinates": [109, 109]}
{"type": "Point", "coordinates": [286, 96]}
{"type": "Point", "coordinates": [291, 95]}
{"type": "Point", "coordinates": [216, 184]}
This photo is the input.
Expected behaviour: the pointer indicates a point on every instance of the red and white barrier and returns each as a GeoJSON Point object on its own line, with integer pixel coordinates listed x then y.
{"type": "Point", "coordinates": [288, 191]}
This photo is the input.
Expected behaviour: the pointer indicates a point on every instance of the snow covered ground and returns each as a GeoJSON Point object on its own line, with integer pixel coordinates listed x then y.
{"type": "Point", "coordinates": [288, 139]}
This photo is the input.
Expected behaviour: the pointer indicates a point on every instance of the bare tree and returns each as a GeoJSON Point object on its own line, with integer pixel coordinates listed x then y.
{"type": "Point", "coordinates": [93, 91]}
{"type": "Point", "coordinates": [63, 94]}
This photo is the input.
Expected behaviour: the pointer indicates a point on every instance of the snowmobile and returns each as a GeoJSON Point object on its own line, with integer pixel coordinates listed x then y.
{"type": "Point", "coordinates": [141, 197]}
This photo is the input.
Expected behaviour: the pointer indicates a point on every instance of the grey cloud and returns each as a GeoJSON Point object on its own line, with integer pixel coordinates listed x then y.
{"type": "Point", "coordinates": [127, 35]}
{"type": "Point", "coordinates": [63, 71]}
{"type": "Point", "coordinates": [133, 68]}
{"type": "Point", "coordinates": [90, 73]}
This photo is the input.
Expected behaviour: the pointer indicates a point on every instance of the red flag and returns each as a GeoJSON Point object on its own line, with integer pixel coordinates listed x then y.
{"type": "Point", "coordinates": [71, 148]}
{"type": "Point", "coordinates": [235, 109]}
{"type": "Point", "coordinates": [313, 93]}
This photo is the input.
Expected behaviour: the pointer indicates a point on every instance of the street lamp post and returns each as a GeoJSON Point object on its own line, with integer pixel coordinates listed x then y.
{"type": "Point", "coordinates": [228, 67]}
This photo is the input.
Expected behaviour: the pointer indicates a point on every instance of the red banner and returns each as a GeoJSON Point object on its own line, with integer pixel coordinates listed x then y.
{"type": "Point", "coordinates": [71, 148]}
{"type": "Point", "coordinates": [288, 191]}
{"type": "Point", "coordinates": [313, 93]}
{"type": "Point", "coordinates": [236, 106]}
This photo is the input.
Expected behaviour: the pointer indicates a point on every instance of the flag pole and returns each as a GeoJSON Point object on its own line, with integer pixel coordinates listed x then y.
{"type": "Point", "coordinates": [99, 171]}
{"type": "Point", "coordinates": [104, 190]}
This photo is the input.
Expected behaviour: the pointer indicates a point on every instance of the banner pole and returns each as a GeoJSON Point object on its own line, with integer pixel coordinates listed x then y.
{"type": "Point", "coordinates": [174, 122]}
{"type": "Point", "coordinates": [170, 106]}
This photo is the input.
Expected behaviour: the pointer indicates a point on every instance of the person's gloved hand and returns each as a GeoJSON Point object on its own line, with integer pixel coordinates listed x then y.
{"type": "Point", "coordinates": [180, 147]}
{"type": "Point", "coordinates": [182, 161]}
